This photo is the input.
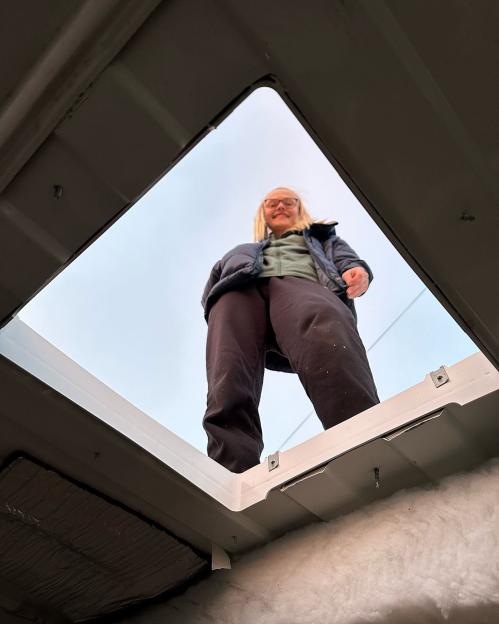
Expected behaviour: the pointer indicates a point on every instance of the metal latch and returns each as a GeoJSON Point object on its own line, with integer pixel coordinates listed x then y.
{"type": "Point", "coordinates": [273, 461]}
{"type": "Point", "coordinates": [439, 377]}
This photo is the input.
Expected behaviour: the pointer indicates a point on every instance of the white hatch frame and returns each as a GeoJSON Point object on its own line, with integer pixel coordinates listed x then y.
{"type": "Point", "coordinates": [469, 380]}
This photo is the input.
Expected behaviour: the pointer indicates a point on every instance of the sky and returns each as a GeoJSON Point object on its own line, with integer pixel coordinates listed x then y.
{"type": "Point", "coordinates": [128, 309]}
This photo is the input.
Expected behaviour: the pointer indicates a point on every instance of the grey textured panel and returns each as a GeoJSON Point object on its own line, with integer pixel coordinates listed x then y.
{"type": "Point", "coordinates": [463, 60]}
{"type": "Point", "coordinates": [349, 482]}
{"type": "Point", "coordinates": [68, 219]}
{"type": "Point", "coordinates": [23, 261]}
{"type": "Point", "coordinates": [196, 59]}
{"type": "Point", "coordinates": [62, 64]}
{"type": "Point", "coordinates": [276, 507]}
{"type": "Point", "coordinates": [16, 607]}
{"type": "Point", "coordinates": [118, 138]}
{"type": "Point", "coordinates": [439, 446]}
{"type": "Point", "coordinates": [78, 553]}
{"type": "Point", "coordinates": [452, 440]}
{"type": "Point", "coordinates": [40, 231]}
{"type": "Point", "coordinates": [157, 96]}
{"type": "Point", "coordinates": [18, 17]}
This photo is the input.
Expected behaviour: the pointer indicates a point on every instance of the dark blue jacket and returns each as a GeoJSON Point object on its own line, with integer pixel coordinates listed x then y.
{"type": "Point", "coordinates": [332, 256]}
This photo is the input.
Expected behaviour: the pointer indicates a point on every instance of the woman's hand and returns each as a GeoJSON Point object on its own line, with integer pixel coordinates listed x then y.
{"type": "Point", "coordinates": [357, 281]}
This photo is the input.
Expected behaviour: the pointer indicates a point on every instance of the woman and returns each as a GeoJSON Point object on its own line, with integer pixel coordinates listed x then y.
{"type": "Point", "coordinates": [283, 302]}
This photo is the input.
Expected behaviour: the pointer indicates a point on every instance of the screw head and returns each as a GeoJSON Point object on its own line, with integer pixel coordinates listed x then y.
{"type": "Point", "coordinates": [57, 191]}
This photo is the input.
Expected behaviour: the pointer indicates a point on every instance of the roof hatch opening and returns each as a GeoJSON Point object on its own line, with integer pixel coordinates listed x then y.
{"type": "Point", "coordinates": [128, 309]}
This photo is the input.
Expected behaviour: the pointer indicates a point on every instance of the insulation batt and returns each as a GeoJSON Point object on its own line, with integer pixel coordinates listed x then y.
{"type": "Point", "coordinates": [419, 557]}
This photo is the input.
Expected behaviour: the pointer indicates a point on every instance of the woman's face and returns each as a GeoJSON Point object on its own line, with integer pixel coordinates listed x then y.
{"type": "Point", "coordinates": [280, 208]}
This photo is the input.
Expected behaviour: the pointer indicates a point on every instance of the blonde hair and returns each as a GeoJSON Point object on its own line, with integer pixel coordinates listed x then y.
{"type": "Point", "coordinates": [261, 231]}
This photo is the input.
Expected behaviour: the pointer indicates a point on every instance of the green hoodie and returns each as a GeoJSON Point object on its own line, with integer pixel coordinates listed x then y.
{"type": "Point", "coordinates": [288, 255]}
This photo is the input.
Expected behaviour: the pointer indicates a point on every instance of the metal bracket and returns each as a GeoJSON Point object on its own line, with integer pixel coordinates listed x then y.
{"type": "Point", "coordinates": [273, 461]}
{"type": "Point", "coordinates": [439, 377]}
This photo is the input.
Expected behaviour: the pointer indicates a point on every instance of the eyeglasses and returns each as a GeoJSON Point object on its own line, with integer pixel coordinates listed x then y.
{"type": "Point", "coordinates": [287, 201]}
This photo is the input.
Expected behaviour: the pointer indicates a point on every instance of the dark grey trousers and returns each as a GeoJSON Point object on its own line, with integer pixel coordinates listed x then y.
{"type": "Point", "coordinates": [308, 324]}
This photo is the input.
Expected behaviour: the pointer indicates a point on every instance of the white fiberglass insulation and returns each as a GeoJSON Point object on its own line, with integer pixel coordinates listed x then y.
{"type": "Point", "coordinates": [419, 557]}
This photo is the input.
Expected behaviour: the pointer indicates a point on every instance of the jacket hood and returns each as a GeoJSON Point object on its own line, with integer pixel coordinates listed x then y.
{"type": "Point", "coordinates": [322, 231]}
